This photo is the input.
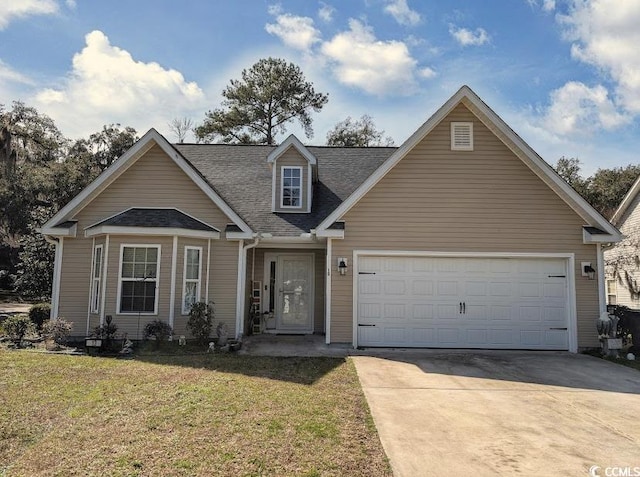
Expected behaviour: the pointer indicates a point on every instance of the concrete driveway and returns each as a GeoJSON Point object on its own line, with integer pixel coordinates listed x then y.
{"type": "Point", "coordinates": [446, 413]}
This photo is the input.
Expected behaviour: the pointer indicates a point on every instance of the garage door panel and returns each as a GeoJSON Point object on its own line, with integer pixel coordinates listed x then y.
{"type": "Point", "coordinates": [422, 311]}
{"type": "Point", "coordinates": [500, 288]}
{"type": "Point", "coordinates": [476, 312]}
{"type": "Point", "coordinates": [448, 336]}
{"type": "Point", "coordinates": [528, 314]}
{"type": "Point", "coordinates": [501, 313]}
{"type": "Point", "coordinates": [422, 335]}
{"type": "Point", "coordinates": [394, 287]}
{"type": "Point", "coordinates": [532, 338]}
{"type": "Point", "coordinates": [509, 303]}
{"type": "Point", "coordinates": [369, 287]}
{"type": "Point", "coordinates": [501, 337]}
{"type": "Point", "coordinates": [395, 311]}
{"type": "Point", "coordinates": [448, 288]}
{"type": "Point", "coordinates": [396, 265]}
{"type": "Point", "coordinates": [422, 287]}
{"type": "Point", "coordinates": [475, 288]}
{"type": "Point", "coordinates": [477, 337]}
{"type": "Point", "coordinates": [369, 311]}
{"type": "Point", "coordinates": [529, 290]}
{"type": "Point", "coordinates": [422, 264]}
{"type": "Point", "coordinates": [447, 311]}
{"type": "Point", "coordinates": [555, 315]}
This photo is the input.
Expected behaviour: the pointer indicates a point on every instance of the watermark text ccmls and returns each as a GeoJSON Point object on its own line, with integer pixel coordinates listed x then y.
{"type": "Point", "coordinates": [614, 471]}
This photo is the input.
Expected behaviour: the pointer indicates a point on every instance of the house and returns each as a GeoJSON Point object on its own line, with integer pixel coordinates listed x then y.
{"type": "Point", "coordinates": [463, 237]}
{"type": "Point", "coordinates": [622, 271]}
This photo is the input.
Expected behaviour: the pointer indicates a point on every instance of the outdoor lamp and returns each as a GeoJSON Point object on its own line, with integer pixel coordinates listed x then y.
{"type": "Point", "coordinates": [590, 272]}
{"type": "Point", "coordinates": [342, 266]}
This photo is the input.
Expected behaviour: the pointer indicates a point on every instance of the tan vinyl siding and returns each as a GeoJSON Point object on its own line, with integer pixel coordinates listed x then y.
{"type": "Point", "coordinates": [291, 157]}
{"type": "Point", "coordinates": [152, 181]}
{"type": "Point", "coordinates": [484, 200]}
{"type": "Point", "coordinates": [74, 284]}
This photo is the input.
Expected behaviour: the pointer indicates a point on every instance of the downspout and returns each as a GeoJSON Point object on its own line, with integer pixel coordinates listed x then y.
{"type": "Point", "coordinates": [55, 285]}
{"type": "Point", "coordinates": [601, 279]}
{"type": "Point", "coordinates": [240, 319]}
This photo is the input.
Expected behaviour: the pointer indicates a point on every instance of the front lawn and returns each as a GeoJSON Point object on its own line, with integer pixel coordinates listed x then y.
{"type": "Point", "coordinates": [184, 415]}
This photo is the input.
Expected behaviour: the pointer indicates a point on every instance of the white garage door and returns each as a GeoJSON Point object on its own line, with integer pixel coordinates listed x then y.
{"type": "Point", "coordinates": [444, 302]}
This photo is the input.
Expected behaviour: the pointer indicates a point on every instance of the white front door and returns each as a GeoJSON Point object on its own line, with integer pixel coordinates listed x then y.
{"type": "Point", "coordinates": [294, 293]}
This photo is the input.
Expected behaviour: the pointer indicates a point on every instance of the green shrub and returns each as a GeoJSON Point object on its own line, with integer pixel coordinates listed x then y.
{"type": "Point", "coordinates": [158, 329]}
{"type": "Point", "coordinates": [106, 332]}
{"type": "Point", "coordinates": [201, 321]}
{"type": "Point", "coordinates": [39, 313]}
{"type": "Point", "coordinates": [57, 330]}
{"type": "Point", "coordinates": [17, 327]}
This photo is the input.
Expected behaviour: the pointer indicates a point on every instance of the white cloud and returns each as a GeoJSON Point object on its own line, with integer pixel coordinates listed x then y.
{"type": "Point", "coordinates": [294, 31]}
{"type": "Point", "coordinates": [8, 74]}
{"type": "Point", "coordinates": [578, 109]}
{"type": "Point", "coordinates": [466, 37]}
{"type": "Point", "coordinates": [399, 10]}
{"type": "Point", "coordinates": [547, 5]}
{"type": "Point", "coordinates": [427, 73]}
{"type": "Point", "coordinates": [605, 34]}
{"type": "Point", "coordinates": [108, 85]}
{"type": "Point", "coordinates": [71, 4]}
{"type": "Point", "coordinates": [12, 9]}
{"type": "Point", "coordinates": [325, 12]}
{"type": "Point", "coordinates": [377, 67]}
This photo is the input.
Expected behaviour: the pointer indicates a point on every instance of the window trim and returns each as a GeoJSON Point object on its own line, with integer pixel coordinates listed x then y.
{"type": "Point", "coordinates": [300, 187]}
{"type": "Point", "coordinates": [615, 291]}
{"type": "Point", "coordinates": [191, 280]}
{"type": "Point", "coordinates": [454, 146]}
{"type": "Point", "coordinates": [120, 280]}
{"type": "Point", "coordinates": [96, 281]}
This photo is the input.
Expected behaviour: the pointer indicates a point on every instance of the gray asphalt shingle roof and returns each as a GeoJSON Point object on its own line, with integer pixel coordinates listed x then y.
{"type": "Point", "coordinates": [241, 176]}
{"type": "Point", "coordinates": [143, 217]}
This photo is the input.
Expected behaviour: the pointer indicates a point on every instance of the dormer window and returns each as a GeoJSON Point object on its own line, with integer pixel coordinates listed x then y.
{"type": "Point", "coordinates": [291, 187]}
{"type": "Point", "coordinates": [293, 173]}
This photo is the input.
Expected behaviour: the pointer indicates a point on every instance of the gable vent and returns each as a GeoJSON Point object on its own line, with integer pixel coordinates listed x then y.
{"type": "Point", "coordinates": [462, 136]}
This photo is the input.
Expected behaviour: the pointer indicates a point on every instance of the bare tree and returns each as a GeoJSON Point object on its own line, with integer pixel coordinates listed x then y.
{"type": "Point", "coordinates": [181, 127]}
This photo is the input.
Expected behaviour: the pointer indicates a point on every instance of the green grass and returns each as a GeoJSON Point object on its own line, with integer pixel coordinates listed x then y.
{"type": "Point", "coordinates": [184, 415]}
{"type": "Point", "coordinates": [625, 362]}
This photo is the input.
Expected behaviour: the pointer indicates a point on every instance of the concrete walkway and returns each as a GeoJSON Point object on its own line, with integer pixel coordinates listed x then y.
{"type": "Point", "coordinates": [11, 308]}
{"type": "Point", "coordinates": [444, 413]}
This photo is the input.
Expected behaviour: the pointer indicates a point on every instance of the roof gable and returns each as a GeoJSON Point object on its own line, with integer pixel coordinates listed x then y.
{"type": "Point", "coordinates": [119, 167]}
{"type": "Point", "coordinates": [291, 141]}
{"type": "Point", "coordinates": [522, 150]}
{"type": "Point", "coordinates": [626, 202]}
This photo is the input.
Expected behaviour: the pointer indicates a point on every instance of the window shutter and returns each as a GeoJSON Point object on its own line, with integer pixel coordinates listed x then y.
{"type": "Point", "coordinates": [462, 136]}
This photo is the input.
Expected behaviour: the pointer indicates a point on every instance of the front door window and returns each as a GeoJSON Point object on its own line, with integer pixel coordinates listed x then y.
{"type": "Point", "coordinates": [295, 282]}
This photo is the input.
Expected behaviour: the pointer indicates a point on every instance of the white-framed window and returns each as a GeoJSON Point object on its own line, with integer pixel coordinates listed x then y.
{"type": "Point", "coordinates": [138, 279]}
{"type": "Point", "coordinates": [291, 187]}
{"type": "Point", "coordinates": [96, 279]}
{"type": "Point", "coordinates": [192, 277]}
{"type": "Point", "coordinates": [462, 136]}
{"type": "Point", "coordinates": [612, 292]}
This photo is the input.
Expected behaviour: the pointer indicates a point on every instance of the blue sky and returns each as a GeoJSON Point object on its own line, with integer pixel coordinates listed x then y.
{"type": "Point", "coordinates": [565, 74]}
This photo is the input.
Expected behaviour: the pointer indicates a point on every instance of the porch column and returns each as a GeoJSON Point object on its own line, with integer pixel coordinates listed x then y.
{"type": "Point", "coordinates": [104, 280]}
{"type": "Point", "coordinates": [172, 296]}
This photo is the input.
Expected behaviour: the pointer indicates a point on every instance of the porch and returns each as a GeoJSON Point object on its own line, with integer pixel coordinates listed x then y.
{"type": "Point", "coordinates": [285, 288]}
{"type": "Point", "coordinates": [292, 345]}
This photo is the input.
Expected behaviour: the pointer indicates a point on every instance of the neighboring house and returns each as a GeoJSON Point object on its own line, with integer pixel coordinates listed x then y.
{"type": "Point", "coordinates": [463, 237]}
{"type": "Point", "coordinates": [622, 258]}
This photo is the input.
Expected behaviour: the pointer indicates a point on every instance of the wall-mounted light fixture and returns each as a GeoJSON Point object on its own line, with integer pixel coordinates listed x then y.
{"type": "Point", "coordinates": [342, 265]}
{"type": "Point", "coordinates": [588, 271]}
